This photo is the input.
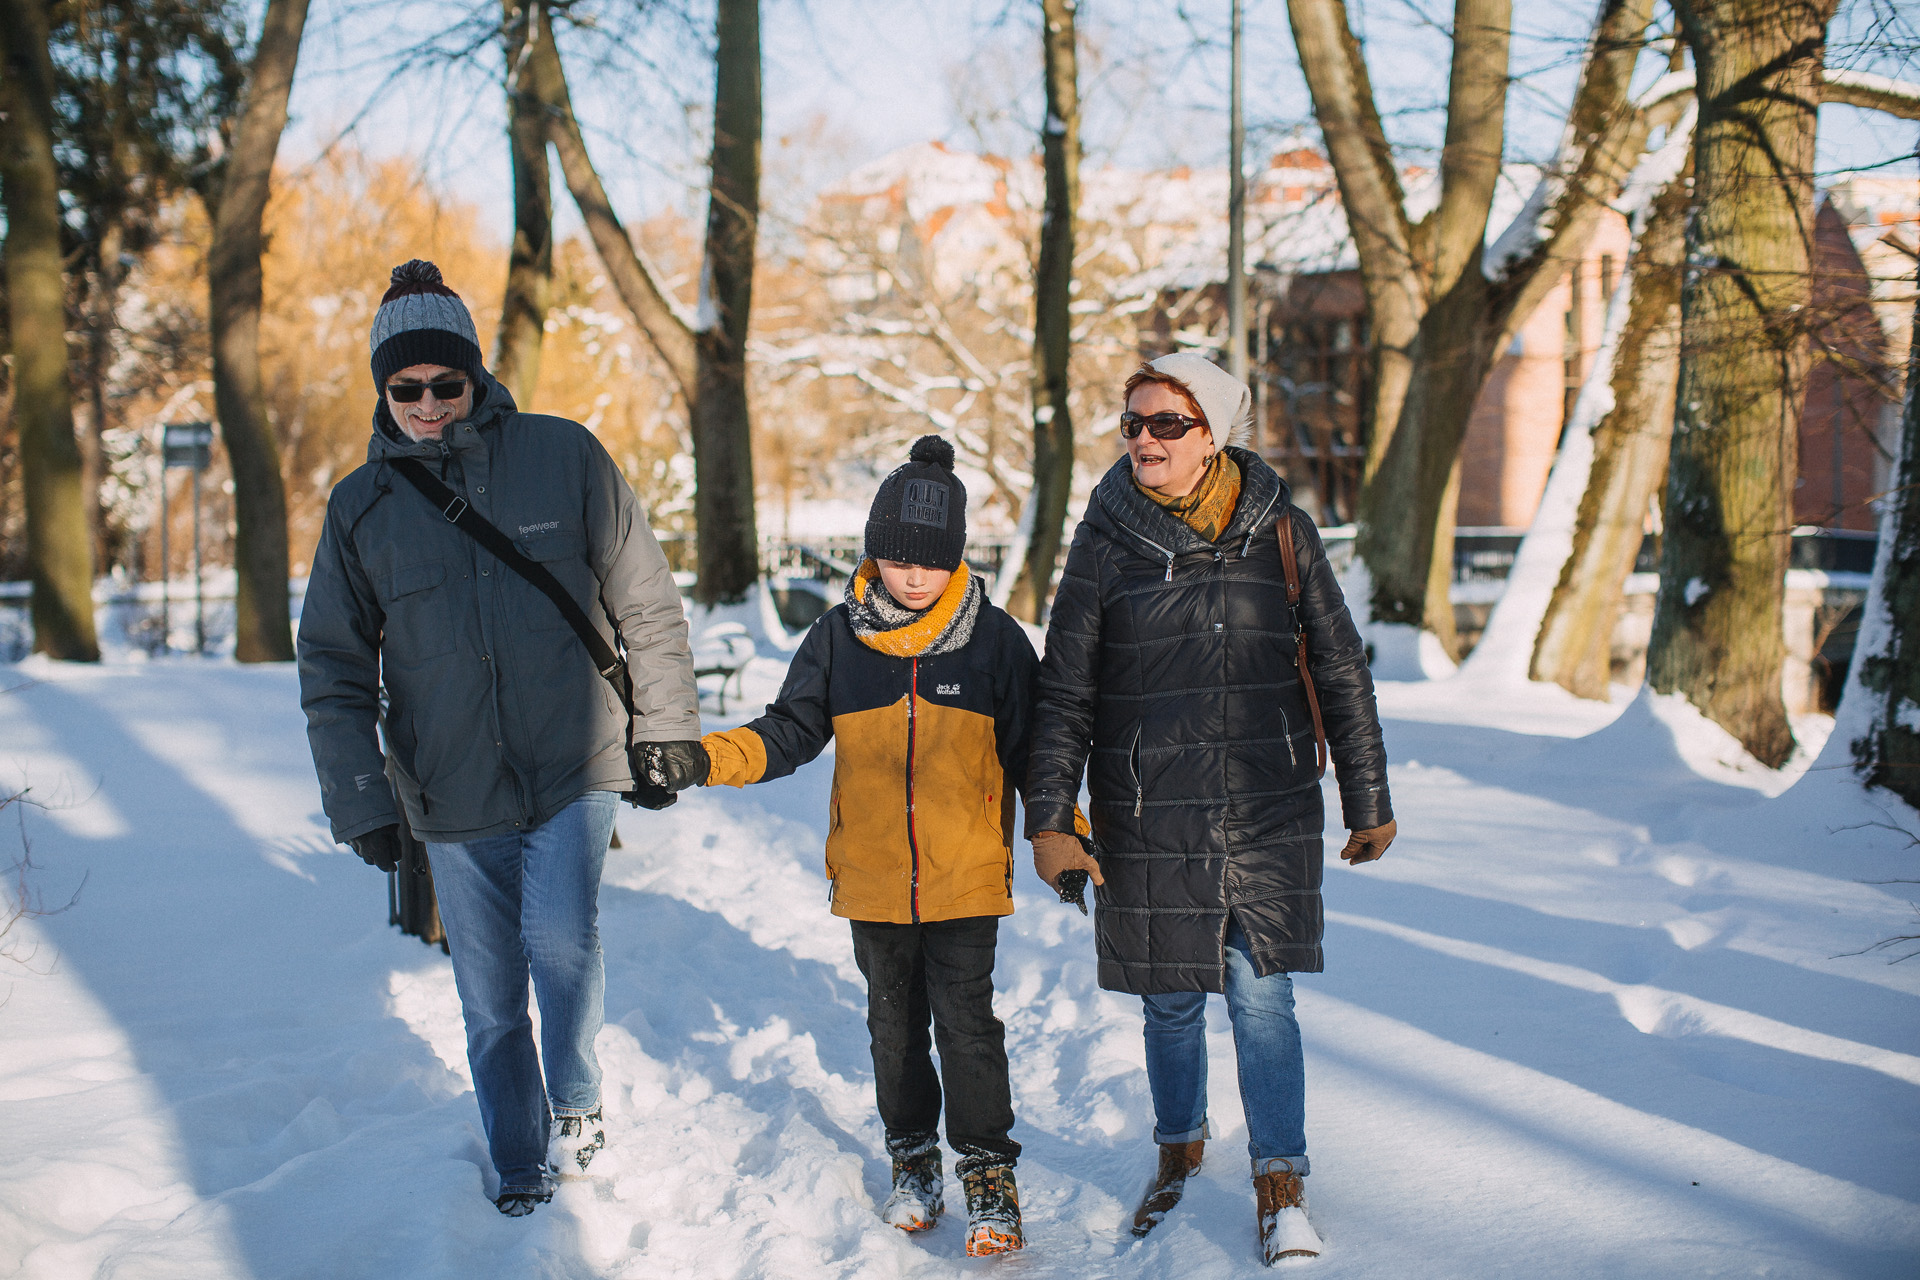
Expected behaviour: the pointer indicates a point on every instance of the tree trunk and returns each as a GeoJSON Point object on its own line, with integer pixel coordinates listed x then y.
{"type": "Point", "coordinates": [725, 531]}
{"type": "Point", "coordinates": [1717, 631]}
{"type": "Point", "coordinates": [1630, 446]}
{"type": "Point", "coordinates": [1883, 695]}
{"type": "Point", "coordinates": [263, 630]}
{"type": "Point", "coordinates": [523, 311]}
{"type": "Point", "coordinates": [1053, 322]}
{"type": "Point", "coordinates": [667, 325]}
{"type": "Point", "coordinates": [59, 550]}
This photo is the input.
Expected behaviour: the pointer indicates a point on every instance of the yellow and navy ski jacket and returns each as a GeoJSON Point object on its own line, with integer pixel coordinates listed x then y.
{"type": "Point", "coordinates": [931, 748]}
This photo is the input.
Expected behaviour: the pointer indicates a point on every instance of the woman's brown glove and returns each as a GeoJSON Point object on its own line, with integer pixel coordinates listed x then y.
{"type": "Point", "coordinates": [1365, 846]}
{"type": "Point", "coordinates": [1056, 851]}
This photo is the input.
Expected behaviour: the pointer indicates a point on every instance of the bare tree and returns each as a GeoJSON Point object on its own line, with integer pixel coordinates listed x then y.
{"type": "Point", "coordinates": [236, 196]}
{"type": "Point", "coordinates": [1045, 518]}
{"type": "Point", "coordinates": [705, 350]}
{"type": "Point", "coordinates": [523, 311]}
{"type": "Point", "coordinates": [1630, 445]}
{"type": "Point", "coordinates": [1717, 633]}
{"type": "Point", "coordinates": [59, 548]}
{"type": "Point", "coordinates": [1441, 301]}
{"type": "Point", "coordinates": [1880, 712]}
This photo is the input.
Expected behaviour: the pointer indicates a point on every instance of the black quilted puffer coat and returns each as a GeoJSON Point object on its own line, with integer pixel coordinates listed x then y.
{"type": "Point", "coordinates": [1170, 661]}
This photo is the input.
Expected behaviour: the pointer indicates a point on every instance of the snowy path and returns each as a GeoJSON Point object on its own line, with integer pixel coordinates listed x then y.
{"type": "Point", "coordinates": [1584, 1020]}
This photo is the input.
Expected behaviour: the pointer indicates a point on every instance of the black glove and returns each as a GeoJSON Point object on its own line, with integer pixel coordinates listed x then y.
{"type": "Point", "coordinates": [379, 847]}
{"type": "Point", "coordinates": [675, 766]}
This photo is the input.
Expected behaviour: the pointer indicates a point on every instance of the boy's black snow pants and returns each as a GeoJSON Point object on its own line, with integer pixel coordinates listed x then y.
{"type": "Point", "coordinates": [940, 970]}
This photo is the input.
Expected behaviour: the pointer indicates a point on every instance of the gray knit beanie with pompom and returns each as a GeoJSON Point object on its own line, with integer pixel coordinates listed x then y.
{"type": "Point", "coordinates": [421, 321]}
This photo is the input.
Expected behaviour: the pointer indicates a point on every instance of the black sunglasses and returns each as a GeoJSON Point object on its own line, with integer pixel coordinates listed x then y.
{"type": "Point", "coordinates": [408, 392]}
{"type": "Point", "coordinates": [1162, 426]}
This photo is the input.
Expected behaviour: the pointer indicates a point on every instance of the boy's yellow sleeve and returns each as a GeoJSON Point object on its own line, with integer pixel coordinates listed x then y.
{"type": "Point", "coordinates": [739, 757]}
{"type": "Point", "coordinates": [1081, 827]}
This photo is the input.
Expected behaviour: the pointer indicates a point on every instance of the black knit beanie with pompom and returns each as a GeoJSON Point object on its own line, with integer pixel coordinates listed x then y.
{"type": "Point", "coordinates": [421, 321]}
{"type": "Point", "coordinates": [920, 514]}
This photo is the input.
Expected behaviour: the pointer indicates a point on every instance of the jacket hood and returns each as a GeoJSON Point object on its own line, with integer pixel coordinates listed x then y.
{"type": "Point", "coordinates": [388, 441]}
{"type": "Point", "coordinates": [1119, 509]}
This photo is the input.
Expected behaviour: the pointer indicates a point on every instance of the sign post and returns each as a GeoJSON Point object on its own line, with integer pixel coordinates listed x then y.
{"type": "Point", "coordinates": [189, 445]}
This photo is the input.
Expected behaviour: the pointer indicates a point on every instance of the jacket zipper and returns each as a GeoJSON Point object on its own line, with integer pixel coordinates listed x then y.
{"type": "Point", "coordinates": [1287, 729]}
{"type": "Point", "coordinates": [913, 844]}
{"type": "Point", "coordinates": [1139, 784]}
{"type": "Point", "coordinates": [1247, 546]}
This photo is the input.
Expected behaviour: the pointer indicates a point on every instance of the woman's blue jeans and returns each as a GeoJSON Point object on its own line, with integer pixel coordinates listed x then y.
{"type": "Point", "coordinates": [514, 905]}
{"type": "Point", "coordinates": [1266, 1044]}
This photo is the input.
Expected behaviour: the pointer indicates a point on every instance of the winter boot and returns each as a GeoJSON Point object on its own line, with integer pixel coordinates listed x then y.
{"type": "Point", "coordinates": [916, 1201]}
{"type": "Point", "coordinates": [993, 1211]}
{"type": "Point", "coordinates": [1284, 1229]}
{"type": "Point", "coordinates": [575, 1141]}
{"type": "Point", "coordinates": [1178, 1162]}
{"type": "Point", "coordinates": [518, 1204]}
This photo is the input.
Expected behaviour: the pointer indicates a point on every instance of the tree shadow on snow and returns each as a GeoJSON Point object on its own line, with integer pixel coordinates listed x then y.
{"type": "Point", "coordinates": [249, 976]}
{"type": "Point", "coordinates": [1821, 1115]}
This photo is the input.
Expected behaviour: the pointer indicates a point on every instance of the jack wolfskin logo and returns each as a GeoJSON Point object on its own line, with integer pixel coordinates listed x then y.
{"type": "Point", "coordinates": [546, 526]}
{"type": "Point", "coordinates": [925, 503]}
{"type": "Point", "coordinates": [947, 690]}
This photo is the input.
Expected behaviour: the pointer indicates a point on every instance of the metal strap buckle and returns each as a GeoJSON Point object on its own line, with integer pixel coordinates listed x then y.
{"type": "Point", "coordinates": [455, 509]}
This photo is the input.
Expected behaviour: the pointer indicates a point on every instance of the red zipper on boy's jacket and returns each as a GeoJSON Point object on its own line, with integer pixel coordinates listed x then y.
{"type": "Point", "coordinates": [913, 846]}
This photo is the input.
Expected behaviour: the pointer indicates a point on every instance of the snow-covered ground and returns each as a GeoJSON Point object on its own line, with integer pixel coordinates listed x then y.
{"type": "Point", "coordinates": [1590, 1017]}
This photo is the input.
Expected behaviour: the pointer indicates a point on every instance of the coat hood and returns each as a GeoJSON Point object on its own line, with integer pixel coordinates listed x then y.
{"type": "Point", "coordinates": [495, 404]}
{"type": "Point", "coordinates": [1119, 509]}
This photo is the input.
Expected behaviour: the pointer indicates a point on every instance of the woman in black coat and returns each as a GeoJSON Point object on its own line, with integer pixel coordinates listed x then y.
{"type": "Point", "coordinates": [1170, 679]}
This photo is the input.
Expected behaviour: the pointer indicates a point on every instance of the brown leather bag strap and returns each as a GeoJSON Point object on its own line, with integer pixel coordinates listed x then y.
{"type": "Point", "coordinates": [1290, 565]}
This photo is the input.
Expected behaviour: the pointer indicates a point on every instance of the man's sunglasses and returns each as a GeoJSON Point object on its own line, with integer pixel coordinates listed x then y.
{"type": "Point", "coordinates": [408, 392]}
{"type": "Point", "coordinates": [1162, 426]}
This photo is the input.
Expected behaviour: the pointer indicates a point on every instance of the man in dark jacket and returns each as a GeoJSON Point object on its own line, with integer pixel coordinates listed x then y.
{"type": "Point", "coordinates": [507, 749]}
{"type": "Point", "coordinates": [1171, 661]}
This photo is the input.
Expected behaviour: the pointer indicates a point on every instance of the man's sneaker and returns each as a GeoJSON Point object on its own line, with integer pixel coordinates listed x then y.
{"type": "Point", "coordinates": [993, 1211]}
{"type": "Point", "coordinates": [916, 1201]}
{"type": "Point", "coordinates": [518, 1204]}
{"type": "Point", "coordinates": [1284, 1229]}
{"type": "Point", "coordinates": [575, 1141]}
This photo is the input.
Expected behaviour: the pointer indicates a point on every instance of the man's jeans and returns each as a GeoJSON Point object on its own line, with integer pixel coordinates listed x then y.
{"type": "Point", "coordinates": [1266, 1043]}
{"type": "Point", "coordinates": [512, 904]}
{"type": "Point", "coordinates": [939, 970]}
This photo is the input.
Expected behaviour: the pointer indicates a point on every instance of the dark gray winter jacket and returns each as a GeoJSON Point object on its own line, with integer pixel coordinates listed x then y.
{"type": "Point", "coordinates": [496, 718]}
{"type": "Point", "coordinates": [1170, 661]}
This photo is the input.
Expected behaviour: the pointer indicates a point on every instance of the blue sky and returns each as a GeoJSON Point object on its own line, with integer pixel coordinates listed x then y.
{"type": "Point", "coordinates": [848, 80]}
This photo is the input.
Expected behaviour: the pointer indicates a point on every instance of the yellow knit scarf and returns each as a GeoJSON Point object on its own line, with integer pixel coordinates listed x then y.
{"type": "Point", "coordinates": [929, 626]}
{"type": "Point", "coordinates": [1209, 508]}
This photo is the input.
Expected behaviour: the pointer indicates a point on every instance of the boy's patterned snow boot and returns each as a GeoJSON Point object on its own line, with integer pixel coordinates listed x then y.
{"type": "Point", "coordinates": [1284, 1229]}
{"type": "Point", "coordinates": [993, 1211]}
{"type": "Point", "coordinates": [1178, 1162]}
{"type": "Point", "coordinates": [575, 1141]}
{"type": "Point", "coordinates": [917, 1200]}
{"type": "Point", "coordinates": [518, 1204]}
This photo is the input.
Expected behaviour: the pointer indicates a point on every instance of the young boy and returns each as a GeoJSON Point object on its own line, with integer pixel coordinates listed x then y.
{"type": "Point", "coordinates": [927, 686]}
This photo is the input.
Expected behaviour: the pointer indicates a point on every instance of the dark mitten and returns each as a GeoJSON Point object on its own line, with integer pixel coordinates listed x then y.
{"type": "Point", "coordinates": [379, 847]}
{"type": "Point", "coordinates": [675, 766]}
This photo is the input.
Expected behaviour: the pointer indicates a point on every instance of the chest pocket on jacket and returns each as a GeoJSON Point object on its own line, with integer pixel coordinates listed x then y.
{"type": "Point", "coordinates": [419, 626]}
{"type": "Point", "coordinates": [564, 555]}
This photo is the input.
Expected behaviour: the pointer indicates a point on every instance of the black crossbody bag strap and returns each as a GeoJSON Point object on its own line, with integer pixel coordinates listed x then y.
{"type": "Point", "coordinates": [468, 521]}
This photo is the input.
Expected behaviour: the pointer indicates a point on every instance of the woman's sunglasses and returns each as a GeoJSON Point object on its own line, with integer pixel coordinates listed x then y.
{"type": "Point", "coordinates": [408, 392]}
{"type": "Point", "coordinates": [1162, 426]}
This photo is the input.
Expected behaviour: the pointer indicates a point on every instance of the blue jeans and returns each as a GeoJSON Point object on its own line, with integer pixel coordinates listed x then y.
{"type": "Point", "coordinates": [514, 904]}
{"type": "Point", "coordinates": [1266, 1044]}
